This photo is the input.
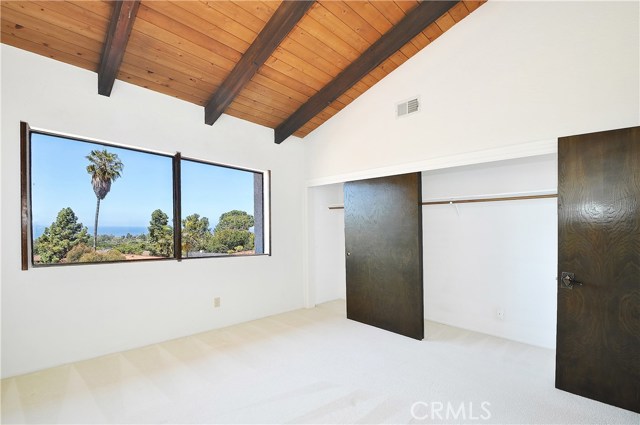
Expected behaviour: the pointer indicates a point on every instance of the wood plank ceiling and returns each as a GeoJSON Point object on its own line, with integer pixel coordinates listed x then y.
{"type": "Point", "coordinates": [189, 49]}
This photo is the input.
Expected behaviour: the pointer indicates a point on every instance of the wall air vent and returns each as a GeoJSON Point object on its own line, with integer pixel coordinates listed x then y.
{"type": "Point", "coordinates": [407, 107]}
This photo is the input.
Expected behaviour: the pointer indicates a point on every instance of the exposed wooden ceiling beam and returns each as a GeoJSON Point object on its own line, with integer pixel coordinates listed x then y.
{"type": "Point", "coordinates": [124, 14]}
{"type": "Point", "coordinates": [279, 25]}
{"type": "Point", "coordinates": [403, 32]}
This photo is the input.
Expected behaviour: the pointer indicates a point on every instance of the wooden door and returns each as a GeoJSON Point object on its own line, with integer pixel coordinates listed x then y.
{"type": "Point", "coordinates": [383, 238]}
{"type": "Point", "coordinates": [598, 338]}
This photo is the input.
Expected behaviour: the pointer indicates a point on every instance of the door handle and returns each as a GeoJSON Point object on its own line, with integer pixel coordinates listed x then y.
{"type": "Point", "coordinates": [567, 280]}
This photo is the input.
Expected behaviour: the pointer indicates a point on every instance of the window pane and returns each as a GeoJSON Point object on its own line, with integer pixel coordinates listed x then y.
{"type": "Point", "coordinates": [222, 210]}
{"type": "Point", "coordinates": [73, 183]}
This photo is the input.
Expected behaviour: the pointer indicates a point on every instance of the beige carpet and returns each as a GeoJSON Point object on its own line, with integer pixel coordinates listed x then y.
{"type": "Point", "coordinates": [308, 366]}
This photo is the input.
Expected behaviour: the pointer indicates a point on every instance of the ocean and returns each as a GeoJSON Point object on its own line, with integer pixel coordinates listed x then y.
{"type": "Point", "coordinates": [102, 230]}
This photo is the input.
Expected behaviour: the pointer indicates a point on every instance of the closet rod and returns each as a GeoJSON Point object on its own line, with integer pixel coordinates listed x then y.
{"type": "Point", "coordinates": [466, 201]}
{"type": "Point", "coordinates": [503, 198]}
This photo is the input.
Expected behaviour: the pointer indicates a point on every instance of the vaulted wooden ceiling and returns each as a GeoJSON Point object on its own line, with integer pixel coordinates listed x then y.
{"type": "Point", "coordinates": [288, 65]}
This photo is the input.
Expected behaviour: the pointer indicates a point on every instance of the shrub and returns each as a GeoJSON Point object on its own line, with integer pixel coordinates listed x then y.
{"type": "Point", "coordinates": [97, 257]}
{"type": "Point", "coordinates": [77, 252]}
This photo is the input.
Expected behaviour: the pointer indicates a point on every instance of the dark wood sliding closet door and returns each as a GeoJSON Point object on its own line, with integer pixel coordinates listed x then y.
{"type": "Point", "coordinates": [383, 237]}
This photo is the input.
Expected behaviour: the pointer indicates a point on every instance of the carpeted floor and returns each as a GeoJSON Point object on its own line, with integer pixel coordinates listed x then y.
{"type": "Point", "coordinates": [308, 366]}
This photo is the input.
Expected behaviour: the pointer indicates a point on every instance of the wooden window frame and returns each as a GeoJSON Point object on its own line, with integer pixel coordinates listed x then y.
{"type": "Point", "coordinates": [25, 196]}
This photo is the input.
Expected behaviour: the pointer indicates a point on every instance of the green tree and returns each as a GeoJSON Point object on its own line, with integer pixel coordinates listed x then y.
{"type": "Point", "coordinates": [231, 240]}
{"type": "Point", "coordinates": [235, 220]}
{"type": "Point", "coordinates": [195, 232]}
{"type": "Point", "coordinates": [160, 234]}
{"type": "Point", "coordinates": [61, 237]}
{"type": "Point", "coordinates": [232, 234]}
{"type": "Point", "coordinates": [105, 167]}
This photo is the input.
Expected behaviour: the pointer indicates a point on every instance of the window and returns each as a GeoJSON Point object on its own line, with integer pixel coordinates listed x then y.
{"type": "Point", "coordinates": [90, 202]}
{"type": "Point", "coordinates": [222, 209]}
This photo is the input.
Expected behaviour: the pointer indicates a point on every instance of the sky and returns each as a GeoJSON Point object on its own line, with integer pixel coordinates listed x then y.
{"type": "Point", "coordinates": [59, 179]}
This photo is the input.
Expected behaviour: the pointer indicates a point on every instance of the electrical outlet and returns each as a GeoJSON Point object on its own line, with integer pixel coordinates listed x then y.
{"type": "Point", "coordinates": [500, 313]}
{"type": "Point", "coordinates": [216, 302]}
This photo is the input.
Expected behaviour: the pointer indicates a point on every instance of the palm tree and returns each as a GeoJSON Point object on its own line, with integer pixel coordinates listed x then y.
{"type": "Point", "coordinates": [105, 168]}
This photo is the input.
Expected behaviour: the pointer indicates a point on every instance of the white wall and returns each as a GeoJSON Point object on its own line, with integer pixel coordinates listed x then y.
{"type": "Point", "coordinates": [483, 257]}
{"type": "Point", "coordinates": [56, 315]}
{"type": "Point", "coordinates": [504, 83]}
{"type": "Point", "coordinates": [326, 244]}
{"type": "Point", "coordinates": [509, 74]}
